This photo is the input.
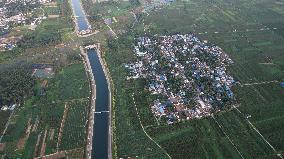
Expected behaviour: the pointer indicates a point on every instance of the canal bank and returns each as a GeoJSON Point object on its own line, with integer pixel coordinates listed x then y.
{"type": "Point", "coordinates": [90, 123]}
{"type": "Point", "coordinates": [110, 88]}
{"type": "Point", "coordinates": [102, 124]}
{"type": "Point", "coordinates": [99, 130]}
{"type": "Point", "coordinates": [99, 138]}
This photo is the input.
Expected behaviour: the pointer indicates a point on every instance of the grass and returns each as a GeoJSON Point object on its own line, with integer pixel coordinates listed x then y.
{"type": "Point", "coordinates": [52, 10]}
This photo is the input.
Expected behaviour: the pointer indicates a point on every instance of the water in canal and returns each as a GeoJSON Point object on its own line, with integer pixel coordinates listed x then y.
{"type": "Point", "coordinates": [79, 14]}
{"type": "Point", "coordinates": [100, 136]}
{"type": "Point", "coordinates": [101, 121]}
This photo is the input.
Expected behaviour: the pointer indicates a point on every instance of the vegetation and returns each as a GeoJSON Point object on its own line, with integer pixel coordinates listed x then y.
{"type": "Point", "coordinates": [44, 113]}
{"type": "Point", "coordinates": [16, 8]}
{"type": "Point", "coordinates": [240, 28]}
{"type": "Point", "coordinates": [3, 120]}
{"type": "Point", "coordinates": [49, 33]}
{"type": "Point", "coordinates": [35, 125]}
{"type": "Point", "coordinates": [74, 133]}
{"type": "Point", "coordinates": [16, 84]}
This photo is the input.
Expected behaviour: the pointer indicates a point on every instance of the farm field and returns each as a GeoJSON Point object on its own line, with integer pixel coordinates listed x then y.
{"type": "Point", "coordinates": [251, 33]}
{"type": "Point", "coordinates": [4, 117]}
{"type": "Point", "coordinates": [34, 128]}
{"type": "Point", "coordinates": [74, 132]}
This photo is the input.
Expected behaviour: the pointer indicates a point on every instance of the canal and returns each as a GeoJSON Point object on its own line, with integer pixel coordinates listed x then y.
{"type": "Point", "coordinates": [80, 16]}
{"type": "Point", "coordinates": [101, 121]}
{"type": "Point", "coordinates": [100, 144]}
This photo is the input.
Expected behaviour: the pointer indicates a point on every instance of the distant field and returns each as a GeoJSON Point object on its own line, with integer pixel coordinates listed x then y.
{"type": "Point", "coordinates": [252, 33]}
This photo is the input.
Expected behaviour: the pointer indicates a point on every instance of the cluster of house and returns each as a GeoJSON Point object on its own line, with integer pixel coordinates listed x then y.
{"type": "Point", "coordinates": [156, 4]}
{"type": "Point", "coordinates": [188, 74]}
{"type": "Point", "coordinates": [8, 43]}
{"type": "Point", "coordinates": [43, 72]}
{"type": "Point", "coordinates": [8, 108]}
{"type": "Point", "coordinates": [18, 12]}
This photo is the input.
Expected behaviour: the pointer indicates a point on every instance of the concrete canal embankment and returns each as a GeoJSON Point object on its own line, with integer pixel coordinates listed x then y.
{"type": "Point", "coordinates": [99, 127]}
{"type": "Point", "coordinates": [99, 136]}
{"type": "Point", "coordinates": [90, 128]}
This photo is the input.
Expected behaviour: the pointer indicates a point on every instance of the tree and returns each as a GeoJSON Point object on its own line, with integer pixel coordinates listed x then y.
{"type": "Point", "coordinates": [134, 2]}
{"type": "Point", "coordinates": [16, 83]}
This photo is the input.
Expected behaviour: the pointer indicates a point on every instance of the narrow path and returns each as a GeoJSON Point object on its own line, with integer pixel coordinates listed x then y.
{"type": "Point", "coordinates": [220, 126]}
{"type": "Point", "coordinates": [144, 129]}
{"type": "Point", "coordinates": [7, 125]}
{"type": "Point", "coordinates": [259, 83]}
{"type": "Point", "coordinates": [62, 127]}
{"type": "Point", "coordinates": [278, 154]}
{"type": "Point", "coordinates": [241, 31]}
{"type": "Point", "coordinates": [112, 31]}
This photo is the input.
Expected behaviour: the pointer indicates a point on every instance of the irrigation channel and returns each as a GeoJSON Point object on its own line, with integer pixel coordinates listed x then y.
{"type": "Point", "coordinates": [82, 24]}
{"type": "Point", "coordinates": [99, 132]}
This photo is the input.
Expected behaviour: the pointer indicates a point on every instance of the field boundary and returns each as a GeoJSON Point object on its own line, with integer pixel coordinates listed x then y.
{"type": "Point", "coordinates": [263, 138]}
{"type": "Point", "coordinates": [138, 115]}
{"type": "Point", "coordinates": [227, 136]}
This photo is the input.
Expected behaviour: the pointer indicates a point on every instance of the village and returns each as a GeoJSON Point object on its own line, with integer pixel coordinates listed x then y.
{"type": "Point", "coordinates": [188, 74]}
{"type": "Point", "coordinates": [15, 13]}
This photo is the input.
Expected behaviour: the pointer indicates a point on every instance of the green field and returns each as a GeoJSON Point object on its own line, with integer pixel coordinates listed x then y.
{"type": "Point", "coordinates": [47, 111]}
{"type": "Point", "coordinates": [74, 133]}
{"type": "Point", "coordinates": [4, 117]}
{"type": "Point", "coordinates": [252, 34]}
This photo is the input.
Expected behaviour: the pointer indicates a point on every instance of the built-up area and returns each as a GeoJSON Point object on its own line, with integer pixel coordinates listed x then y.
{"type": "Point", "coordinates": [18, 12]}
{"type": "Point", "coordinates": [188, 76]}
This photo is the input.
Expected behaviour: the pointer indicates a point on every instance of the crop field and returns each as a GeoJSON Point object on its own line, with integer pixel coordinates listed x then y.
{"type": "Point", "coordinates": [4, 117]}
{"type": "Point", "coordinates": [252, 34]}
{"type": "Point", "coordinates": [52, 10]}
{"type": "Point", "coordinates": [34, 127]}
{"type": "Point", "coordinates": [74, 132]}
{"type": "Point", "coordinates": [71, 83]}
